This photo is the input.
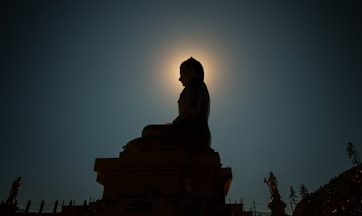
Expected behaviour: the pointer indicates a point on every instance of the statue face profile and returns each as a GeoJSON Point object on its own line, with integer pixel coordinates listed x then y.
{"type": "Point", "coordinates": [187, 73]}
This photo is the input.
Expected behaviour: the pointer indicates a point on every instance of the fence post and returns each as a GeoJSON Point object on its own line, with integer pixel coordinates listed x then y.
{"type": "Point", "coordinates": [27, 207]}
{"type": "Point", "coordinates": [55, 207]}
{"type": "Point", "coordinates": [41, 207]}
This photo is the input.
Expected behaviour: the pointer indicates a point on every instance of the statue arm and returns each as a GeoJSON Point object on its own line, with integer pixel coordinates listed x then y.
{"type": "Point", "coordinates": [188, 106]}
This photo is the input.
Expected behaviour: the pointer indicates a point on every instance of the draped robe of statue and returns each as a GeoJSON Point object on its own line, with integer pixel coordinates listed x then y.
{"type": "Point", "coordinates": [189, 130]}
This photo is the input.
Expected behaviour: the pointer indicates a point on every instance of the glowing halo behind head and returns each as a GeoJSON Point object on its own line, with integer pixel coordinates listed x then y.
{"type": "Point", "coordinates": [168, 67]}
{"type": "Point", "coordinates": [165, 57]}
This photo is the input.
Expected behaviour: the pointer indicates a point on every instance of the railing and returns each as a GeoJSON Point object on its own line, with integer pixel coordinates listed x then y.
{"type": "Point", "coordinates": [44, 207]}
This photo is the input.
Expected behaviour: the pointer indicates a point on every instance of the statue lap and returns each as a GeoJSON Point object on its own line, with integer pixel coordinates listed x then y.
{"type": "Point", "coordinates": [172, 137]}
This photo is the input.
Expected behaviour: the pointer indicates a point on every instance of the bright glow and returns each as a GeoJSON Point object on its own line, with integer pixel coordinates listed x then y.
{"type": "Point", "coordinates": [168, 65]}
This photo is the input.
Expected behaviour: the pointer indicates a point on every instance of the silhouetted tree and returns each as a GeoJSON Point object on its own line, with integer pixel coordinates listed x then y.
{"type": "Point", "coordinates": [303, 191]}
{"type": "Point", "coordinates": [353, 154]}
{"type": "Point", "coordinates": [292, 197]}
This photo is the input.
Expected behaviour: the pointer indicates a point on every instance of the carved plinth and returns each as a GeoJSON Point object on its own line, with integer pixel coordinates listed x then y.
{"type": "Point", "coordinates": [277, 207]}
{"type": "Point", "coordinates": [164, 182]}
{"type": "Point", "coordinates": [8, 209]}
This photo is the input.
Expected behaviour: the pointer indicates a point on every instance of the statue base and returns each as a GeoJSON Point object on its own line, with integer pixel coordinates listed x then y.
{"type": "Point", "coordinates": [277, 207]}
{"type": "Point", "coordinates": [8, 209]}
{"type": "Point", "coordinates": [169, 182]}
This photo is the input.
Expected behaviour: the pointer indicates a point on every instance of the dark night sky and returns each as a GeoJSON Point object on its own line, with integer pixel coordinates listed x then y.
{"type": "Point", "coordinates": [79, 79]}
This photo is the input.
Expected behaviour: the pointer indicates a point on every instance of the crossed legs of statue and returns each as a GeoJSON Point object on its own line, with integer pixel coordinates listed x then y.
{"type": "Point", "coordinates": [171, 136]}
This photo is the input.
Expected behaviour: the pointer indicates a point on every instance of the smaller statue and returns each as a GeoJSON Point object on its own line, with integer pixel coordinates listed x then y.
{"type": "Point", "coordinates": [16, 186]}
{"type": "Point", "coordinates": [276, 205]}
{"type": "Point", "coordinates": [272, 182]}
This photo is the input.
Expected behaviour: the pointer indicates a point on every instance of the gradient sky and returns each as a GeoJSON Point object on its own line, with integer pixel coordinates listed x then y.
{"type": "Point", "coordinates": [79, 79]}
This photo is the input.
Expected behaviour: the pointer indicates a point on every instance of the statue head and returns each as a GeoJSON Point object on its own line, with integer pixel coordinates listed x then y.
{"type": "Point", "coordinates": [191, 69]}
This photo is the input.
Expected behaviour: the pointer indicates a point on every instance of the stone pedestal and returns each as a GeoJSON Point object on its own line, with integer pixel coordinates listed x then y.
{"type": "Point", "coordinates": [177, 182]}
{"type": "Point", "coordinates": [277, 206]}
{"type": "Point", "coordinates": [8, 209]}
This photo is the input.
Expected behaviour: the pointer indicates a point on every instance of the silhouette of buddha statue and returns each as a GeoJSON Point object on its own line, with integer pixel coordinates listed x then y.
{"type": "Point", "coordinates": [190, 128]}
